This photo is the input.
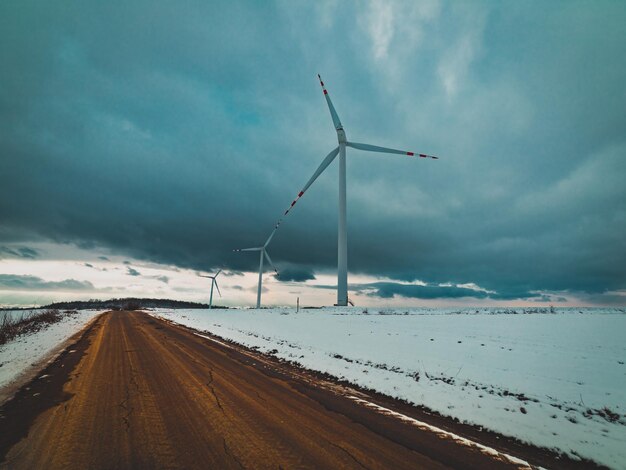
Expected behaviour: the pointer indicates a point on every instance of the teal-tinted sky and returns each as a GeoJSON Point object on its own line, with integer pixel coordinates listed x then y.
{"type": "Point", "coordinates": [173, 132]}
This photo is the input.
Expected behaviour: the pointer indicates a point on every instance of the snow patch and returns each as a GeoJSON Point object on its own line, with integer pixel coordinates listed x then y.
{"type": "Point", "coordinates": [27, 352]}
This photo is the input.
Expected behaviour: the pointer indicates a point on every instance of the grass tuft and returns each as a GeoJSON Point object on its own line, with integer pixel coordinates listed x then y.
{"type": "Point", "coordinates": [13, 326]}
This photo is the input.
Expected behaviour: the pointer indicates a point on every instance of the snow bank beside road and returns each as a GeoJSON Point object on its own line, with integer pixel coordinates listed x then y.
{"type": "Point", "coordinates": [555, 380]}
{"type": "Point", "coordinates": [20, 354]}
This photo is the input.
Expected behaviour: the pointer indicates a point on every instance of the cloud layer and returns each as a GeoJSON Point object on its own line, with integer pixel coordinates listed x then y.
{"type": "Point", "coordinates": [21, 282]}
{"type": "Point", "coordinates": [175, 133]}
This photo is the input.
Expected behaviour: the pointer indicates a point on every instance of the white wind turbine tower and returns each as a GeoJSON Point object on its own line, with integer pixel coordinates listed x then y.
{"type": "Point", "coordinates": [342, 238]}
{"type": "Point", "coordinates": [263, 254]}
{"type": "Point", "coordinates": [213, 283]}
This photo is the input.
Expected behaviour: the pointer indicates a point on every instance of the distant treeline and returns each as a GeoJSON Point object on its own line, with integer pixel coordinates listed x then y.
{"type": "Point", "coordinates": [130, 303]}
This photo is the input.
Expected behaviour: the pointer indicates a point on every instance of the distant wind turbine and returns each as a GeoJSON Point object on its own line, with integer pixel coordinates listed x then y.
{"type": "Point", "coordinates": [342, 237]}
{"type": "Point", "coordinates": [213, 283]}
{"type": "Point", "coordinates": [263, 253]}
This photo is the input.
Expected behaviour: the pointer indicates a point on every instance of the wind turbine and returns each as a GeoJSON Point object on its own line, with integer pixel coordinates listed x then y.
{"type": "Point", "coordinates": [263, 254]}
{"type": "Point", "coordinates": [342, 237]}
{"type": "Point", "coordinates": [213, 283]}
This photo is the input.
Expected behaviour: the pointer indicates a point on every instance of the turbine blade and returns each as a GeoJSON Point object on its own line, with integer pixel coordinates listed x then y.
{"type": "Point", "coordinates": [216, 274]}
{"type": "Point", "coordinates": [249, 249]}
{"type": "Point", "coordinates": [269, 260]}
{"type": "Point", "coordinates": [375, 148]}
{"type": "Point", "coordinates": [201, 275]}
{"type": "Point", "coordinates": [280, 221]}
{"type": "Point", "coordinates": [333, 113]}
{"type": "Point", "coordinates": [271, 236]}
{"type": "Point", "coordinates": [217, 287]}
{"type": "Point", "coordinates": [327, 161]}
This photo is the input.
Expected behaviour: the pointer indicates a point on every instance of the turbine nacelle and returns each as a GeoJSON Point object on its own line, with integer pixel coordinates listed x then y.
{"type": "Point", "coordinates": [341, 136]}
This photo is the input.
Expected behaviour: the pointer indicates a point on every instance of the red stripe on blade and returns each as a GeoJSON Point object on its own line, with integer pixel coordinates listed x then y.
{"type": "Point", "coordinates": [410, 154]}
{"type": "Point", "coordinates": [325, 92]}
{"type": "Point", "coordinates": [301, 193]}
{"type": "Point", "coordinates": [423, 156]}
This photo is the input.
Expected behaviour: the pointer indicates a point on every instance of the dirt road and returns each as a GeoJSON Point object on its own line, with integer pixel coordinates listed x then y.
{"type": "Point", "coordinates": [137, 392]}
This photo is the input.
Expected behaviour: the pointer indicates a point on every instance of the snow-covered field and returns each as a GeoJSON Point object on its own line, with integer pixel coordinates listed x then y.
{"type": "Point", "coordinates": [18, 355]}
{"type": "Point", "coordinates": [556, 380]}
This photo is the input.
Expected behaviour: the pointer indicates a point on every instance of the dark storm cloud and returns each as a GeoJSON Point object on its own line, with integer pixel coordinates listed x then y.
{"type": "Point", "coordinates": [390, 289]}
{"type": "Point", "coordinates": [21, 282]}
{"type": "Point", "coordinates": [19, 252]}
{"type": "Point", "coordinates": [132, 272]}
{"type": "Point", "coordinates": [176, 134]}
{"type": "Point", "coordinates": [606, 299]}
{"type": "Point", "coordinates": [387, 290]}
{"type": "Point", "coordinates": [296, 274]}
{"type": "Point", "coordinates": [544, 298]}
{"type": "Point", "coordinates": [231, 273]}
{"type": "Point", "coordinates": [89, 265]}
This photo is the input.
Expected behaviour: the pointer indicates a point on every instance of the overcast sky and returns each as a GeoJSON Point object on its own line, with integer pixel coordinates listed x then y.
{"type": "Point", "coordinates": [166, 134]}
